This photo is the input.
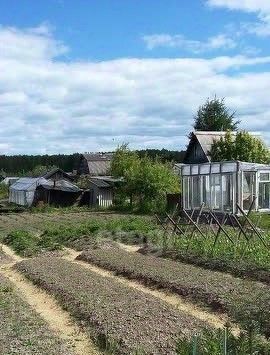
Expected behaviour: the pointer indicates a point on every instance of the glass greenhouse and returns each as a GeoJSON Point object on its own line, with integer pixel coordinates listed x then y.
{"type": "Point", "coordinates": [221, 186]}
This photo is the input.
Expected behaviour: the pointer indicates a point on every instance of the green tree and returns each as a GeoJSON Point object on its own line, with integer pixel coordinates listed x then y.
{"type": "Point", "coordinates": [146, 181]}
{"type": "Point", "coordinates": [40, 170]}
{"type": "Point", "coordinates": [214, 116]}
{"type": "Point", "coordinates": [241, 146]}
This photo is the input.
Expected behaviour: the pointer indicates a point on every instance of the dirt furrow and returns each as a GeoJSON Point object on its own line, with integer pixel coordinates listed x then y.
{"type": "Point", "coordinates": [175, 300]}
{"type": "Point", "coordinates": [46, 306]}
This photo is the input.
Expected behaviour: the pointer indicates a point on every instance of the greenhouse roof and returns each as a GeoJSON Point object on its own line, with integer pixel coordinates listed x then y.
{"type": "Point", "coordinates": [27, 183]}
{"type": "Point", "coordinates": [222, 167]}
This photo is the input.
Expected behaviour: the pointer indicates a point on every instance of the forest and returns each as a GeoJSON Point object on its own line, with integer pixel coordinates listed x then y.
{"type": "Point", "coordinates": [22, 164]}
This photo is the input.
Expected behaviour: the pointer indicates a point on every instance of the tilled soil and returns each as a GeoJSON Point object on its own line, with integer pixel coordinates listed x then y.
{"type": "Point", "coordinates": [127, 319]}
{"type": "Point", "coordinates": [245, 301]}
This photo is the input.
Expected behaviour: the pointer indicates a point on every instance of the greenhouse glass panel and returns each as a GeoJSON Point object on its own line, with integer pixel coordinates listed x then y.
{"type": "Point", "coordinates": [216, 191]}
{"type": "Point", "coordinates": [206, 196]}
{"type": "Point", "coordinates": [196, 192]}
{"type": "Point", "coordinates": [249, 191]}
{"type": "Point", "coordinates": [227, 192]}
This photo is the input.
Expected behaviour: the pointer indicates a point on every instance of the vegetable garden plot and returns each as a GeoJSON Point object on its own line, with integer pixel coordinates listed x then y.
{"type": "Point", "coordinates": [22, 331]}
{"type": "Point", "coordinates": [245, 301]}
{"type": "Point", "coordinates": [127, 319]}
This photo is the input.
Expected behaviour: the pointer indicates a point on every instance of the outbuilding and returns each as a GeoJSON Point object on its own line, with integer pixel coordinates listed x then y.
{"type": "Point", "coordinates": [221, 186]}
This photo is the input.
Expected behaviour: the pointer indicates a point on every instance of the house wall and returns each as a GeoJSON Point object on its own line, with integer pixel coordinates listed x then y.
{"type": "Point", "coordinates": [195, 153]}
{"type": "Point", "coordinates": [83, 168]}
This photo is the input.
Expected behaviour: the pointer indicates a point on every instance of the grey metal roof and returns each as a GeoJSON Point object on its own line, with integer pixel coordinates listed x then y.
{"type": "Point", "coordinates": [60, 185]}
{"type": "Point", "coordinates": [207, 138]}
{"type": "Point", "coordinates": [98, 163]}
{"type": "Point", "coordinates": [99, 183]}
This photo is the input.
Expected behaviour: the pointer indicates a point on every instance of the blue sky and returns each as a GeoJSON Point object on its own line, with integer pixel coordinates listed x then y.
{"type": "Point", "coordinates": [88, 75]}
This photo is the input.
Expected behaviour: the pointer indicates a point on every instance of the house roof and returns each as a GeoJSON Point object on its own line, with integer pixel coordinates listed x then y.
{"type": "Point", "coordinates": [206, 140]}
{"type": "Point", "coordinates": [50, 173]}
{"type": "Point", "coordinates": [99, 182]}
{"type": "Point", "coordinates": [30, 184]}
{"type": "Point", "coordinates": [98, 163]}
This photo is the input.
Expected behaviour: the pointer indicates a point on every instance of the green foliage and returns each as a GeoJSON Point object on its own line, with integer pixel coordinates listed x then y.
{"type": "Point", "coordinates": [146, 182]}
{"type": "Point", "coordinates": [54, 236]}
{"type": "Point", "coordinates": [221, 342]}
{"type": "Point", "coordinates": [214, 116]}
{"type": "Point", "coordinates": [40, 170]}
{"type": "Point", "coordinates": [3, 191]}
{"type": "Point", "coordinates": [242, 146]}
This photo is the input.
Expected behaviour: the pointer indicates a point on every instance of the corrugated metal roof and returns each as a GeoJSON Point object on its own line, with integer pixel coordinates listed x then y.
{"type": "Point", "coordinates": [60, 185]}
{"type": "Point", "coordinates": [99, 183]}
{"type": "Point", "coordinates": [98, 163]}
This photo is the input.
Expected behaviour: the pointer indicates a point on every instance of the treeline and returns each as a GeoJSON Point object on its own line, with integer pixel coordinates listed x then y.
{"type": "Point", "coordinates": [22, 164]}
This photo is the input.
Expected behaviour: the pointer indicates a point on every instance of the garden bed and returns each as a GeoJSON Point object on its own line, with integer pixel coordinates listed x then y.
{"type": "Point", "coordinates": [126, 320]}
{"type": "Point", "coordinates": [247, 302]}
{"type": "Point", "coordinates": [22, 331]}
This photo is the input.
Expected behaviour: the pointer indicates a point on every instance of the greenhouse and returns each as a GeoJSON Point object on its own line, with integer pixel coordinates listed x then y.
{"type": "Point", "coordinates": [224, 185]}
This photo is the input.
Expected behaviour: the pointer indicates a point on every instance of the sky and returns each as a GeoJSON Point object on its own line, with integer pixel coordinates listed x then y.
{"type": "Point", "coordinates": [88, 75]}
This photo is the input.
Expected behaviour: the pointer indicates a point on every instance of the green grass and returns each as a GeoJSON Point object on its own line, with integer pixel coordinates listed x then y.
{"type": "Point", "coordinates": [223, 342]}
{"type": "Point", "coordinates": [54, 236]}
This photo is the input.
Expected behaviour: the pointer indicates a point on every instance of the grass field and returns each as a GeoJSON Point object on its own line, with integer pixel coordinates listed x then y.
{"type": "Point", "coordinates": [125, 319]}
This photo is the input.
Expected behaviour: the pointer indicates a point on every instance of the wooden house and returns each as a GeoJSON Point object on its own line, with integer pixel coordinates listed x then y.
{"type": "Point", "coordinates": [199, 147]}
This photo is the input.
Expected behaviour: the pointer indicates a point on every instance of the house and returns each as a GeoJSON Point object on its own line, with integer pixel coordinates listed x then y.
{"type": "Point", "coordinates": [29, 191]}
{"type": "Point", "coordinates": [199, 147]}
{"type": "Point", "coordinates": [95, 164]}
{"type": "Point", "coordinates": [100, 192]}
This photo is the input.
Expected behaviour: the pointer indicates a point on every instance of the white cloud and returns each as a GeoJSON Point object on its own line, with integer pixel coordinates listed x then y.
{"type": "Point", "coordinates": [260, 7]}
{"type": "Point", "coordinates": [221, 41]}
{"type": "Point", "coordinates": [48, 105]}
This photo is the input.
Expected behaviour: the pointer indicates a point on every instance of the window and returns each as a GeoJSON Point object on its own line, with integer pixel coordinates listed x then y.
{"type": "Point", "coordinates": [264, 176]}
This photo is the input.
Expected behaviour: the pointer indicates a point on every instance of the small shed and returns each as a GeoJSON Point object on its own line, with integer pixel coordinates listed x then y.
{"type": "Point", "coordinates": [222, 186]}
{"type": "Point", "coordinates": [100, 191]}
{"type": "Point", "coordinates": [22, 192]}
{"type": "Point", "coordinates": [57, 193]}
{"type": "Point", "coordinates": [95, 164]}
{"type": "Point", "coordinates": [29, 191]}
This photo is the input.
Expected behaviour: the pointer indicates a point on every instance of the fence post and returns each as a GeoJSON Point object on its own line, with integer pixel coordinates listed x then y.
{"type": "Point", "coordinates": [194, 345]}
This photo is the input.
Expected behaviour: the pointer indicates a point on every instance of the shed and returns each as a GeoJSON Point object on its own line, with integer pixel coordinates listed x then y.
{"type": "Point", "coordinates": [22, 192]}
{"type": "Point", "coordinates": [223, 185]}
{"type": "Point", "coordinates": [57, 193]}
{"type": "Point", "coordinates": [101, 191]}
{"type": "Point", "coordinates": [95, 164]}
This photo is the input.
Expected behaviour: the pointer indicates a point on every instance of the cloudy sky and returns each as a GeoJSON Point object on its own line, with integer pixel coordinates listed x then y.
{"type": "Point", "coordinates": [89, 75]}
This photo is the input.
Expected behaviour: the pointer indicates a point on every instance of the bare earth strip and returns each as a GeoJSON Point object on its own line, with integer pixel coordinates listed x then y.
{"type": "Point", "coordinates": [45, 305]}
{"type": "Point", "coordinates": [172, 299]}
